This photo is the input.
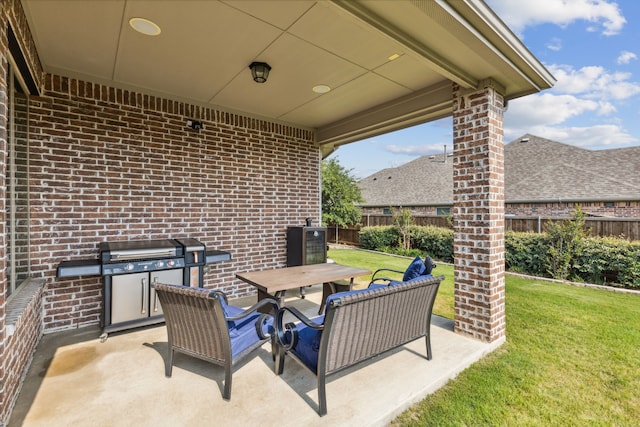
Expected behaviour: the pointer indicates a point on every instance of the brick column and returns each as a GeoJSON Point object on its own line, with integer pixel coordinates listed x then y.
{"type": "Point", "coordinates": [478, 211]}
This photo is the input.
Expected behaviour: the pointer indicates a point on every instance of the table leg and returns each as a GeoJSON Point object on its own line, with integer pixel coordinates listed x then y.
{"type": "Point", "coordinates": [331, 288]}
{"type": "Point", "coordinates": [279, 297]}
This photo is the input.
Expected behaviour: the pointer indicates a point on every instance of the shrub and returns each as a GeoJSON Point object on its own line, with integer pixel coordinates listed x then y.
{"type": "Point", "coordinates": [526, 252]}
{"type": "Point", "coordinates": [566, 240]}
{"type": "Point", "coordinates": [378, 237]}
{"type": "Point", "coordinates": [436, 242]}
{"type": "Point", "coordinates": [606, 260]}
{"type": "Point", "coordinates": [609, 259]}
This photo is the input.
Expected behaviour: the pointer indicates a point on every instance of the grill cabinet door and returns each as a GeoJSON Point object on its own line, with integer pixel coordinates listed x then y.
{"type": "Point", "coordinates": [129, 297]}
{"type": "Point", "coordinates": [169, 277]}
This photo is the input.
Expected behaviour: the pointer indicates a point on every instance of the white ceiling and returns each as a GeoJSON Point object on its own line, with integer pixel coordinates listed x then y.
{"type": "Point", "coordinates": [205, 47]}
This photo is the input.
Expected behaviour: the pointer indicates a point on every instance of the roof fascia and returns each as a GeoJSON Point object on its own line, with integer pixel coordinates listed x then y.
{"type": "Point", "coordinates": [442, 66]}
{"type": "Point", "coordinates": [529, 68]}
{"type": "Point", "coordinates": [429, 104]}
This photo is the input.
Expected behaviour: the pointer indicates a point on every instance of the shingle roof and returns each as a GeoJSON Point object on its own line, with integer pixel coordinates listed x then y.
{"type": "Point", "coordinates": [536, 170]}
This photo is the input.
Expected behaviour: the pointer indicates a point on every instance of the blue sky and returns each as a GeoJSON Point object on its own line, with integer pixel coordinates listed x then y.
{"type": "Point", "coordinates": [592, 48]}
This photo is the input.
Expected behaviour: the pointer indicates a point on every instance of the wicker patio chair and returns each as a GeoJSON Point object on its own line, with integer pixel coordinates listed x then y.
{"type": "Point", "coordinates": [201, 324]}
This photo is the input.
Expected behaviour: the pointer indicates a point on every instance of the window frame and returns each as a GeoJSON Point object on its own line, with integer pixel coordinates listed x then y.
{"type": "Point", "coordinates": [16, 276]}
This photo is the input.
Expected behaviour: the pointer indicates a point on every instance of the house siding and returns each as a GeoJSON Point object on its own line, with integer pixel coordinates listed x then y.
{"type": "Point", "coordinates": [619, 209]}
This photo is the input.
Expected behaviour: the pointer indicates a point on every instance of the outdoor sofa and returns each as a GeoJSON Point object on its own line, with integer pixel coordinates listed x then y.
{"type": "Point", "coordinates": [357, 325]}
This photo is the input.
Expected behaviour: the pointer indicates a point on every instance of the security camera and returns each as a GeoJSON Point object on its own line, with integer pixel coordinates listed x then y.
{"type": "Point", "coordinates": [194, 124]}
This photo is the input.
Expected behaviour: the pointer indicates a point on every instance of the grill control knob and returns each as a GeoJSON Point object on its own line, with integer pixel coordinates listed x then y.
{"type": "Point", "coordinates": [128, 267]}
{"type": "Point", "coordinates": [171, 263]}
{"type": "Point", "coordinates": [159, 264]}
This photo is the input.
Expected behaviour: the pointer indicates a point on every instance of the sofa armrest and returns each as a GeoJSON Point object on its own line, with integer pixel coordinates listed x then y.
{"type": "Point", "coordinates": [290, 327]}
{"type": "Point", "coordinates": [376, 280]}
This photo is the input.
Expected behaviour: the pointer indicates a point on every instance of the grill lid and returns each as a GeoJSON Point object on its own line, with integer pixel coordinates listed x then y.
{"type": "Point", "coordinates": [139, 249]}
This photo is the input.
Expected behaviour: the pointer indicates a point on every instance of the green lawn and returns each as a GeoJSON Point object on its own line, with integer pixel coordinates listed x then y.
{"type": "Point", "coordinates": [572, 357]}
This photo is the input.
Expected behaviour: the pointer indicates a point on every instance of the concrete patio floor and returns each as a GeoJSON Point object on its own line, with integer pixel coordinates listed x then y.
{"type": "Point", "coordinates": [77, 380]}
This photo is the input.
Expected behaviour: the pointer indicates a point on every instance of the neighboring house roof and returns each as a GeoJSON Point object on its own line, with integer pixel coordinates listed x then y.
{"type": "Point", "coordinates": [425, 181]}
{"type": "Point", "coordinates": [537, 170]}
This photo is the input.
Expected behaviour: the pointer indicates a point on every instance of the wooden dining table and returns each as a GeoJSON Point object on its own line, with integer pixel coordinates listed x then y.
{"type": "Point", "coordinates": [273, 283]}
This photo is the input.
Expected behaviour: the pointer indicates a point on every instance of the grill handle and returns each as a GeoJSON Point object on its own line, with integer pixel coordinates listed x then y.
{"type": "Point", "coordinates": [123, 255]}
{"type": "Point", "coordinates": [155, 296]}
{"type": "Point", "coordinates": [143, 284]}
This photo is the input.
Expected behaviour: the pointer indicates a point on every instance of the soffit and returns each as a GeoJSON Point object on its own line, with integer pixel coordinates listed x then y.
{"type": "Point", "coordinates": [203, 52]}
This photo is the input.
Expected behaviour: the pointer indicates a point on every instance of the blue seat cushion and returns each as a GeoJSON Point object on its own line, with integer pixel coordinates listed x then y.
{"type": "Point", "coordinates": [415, 269]}
{"type": "Point", "coordinates": [308, 346]}
{"type": "Point", "coordinates": [243, 331]}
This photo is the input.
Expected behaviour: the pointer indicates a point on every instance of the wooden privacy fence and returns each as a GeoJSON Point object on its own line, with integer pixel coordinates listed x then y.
{"type": "Point", "coordinates": [629, 228]}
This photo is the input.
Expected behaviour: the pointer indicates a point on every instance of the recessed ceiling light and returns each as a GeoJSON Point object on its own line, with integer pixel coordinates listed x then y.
{"type": "Point", "coordinates": [394, 56]}
{"type": "Point", "coordinates": [321, 89]}
{"type": "Point", "coordinates": [144, 26]}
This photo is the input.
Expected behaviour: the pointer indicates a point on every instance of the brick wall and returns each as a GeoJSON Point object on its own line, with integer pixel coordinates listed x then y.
{"type": "Point", "coordinates": [22, 338]}
{"type": "Point", "coordinates": [624, 209]}
{"type": "Point", "coordinates": [5, 385]}
{"type": "Point", "coordinates": [415, 210]}
{"type": "Point", "coordinates": [19, 332]}
{"type": "Point", "coordinates": [478, 212]}
{"type": "Point", "coordinates": [109, 164]}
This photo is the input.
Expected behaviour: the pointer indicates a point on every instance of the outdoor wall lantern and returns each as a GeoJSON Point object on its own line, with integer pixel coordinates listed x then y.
{"type": "Point", "coordinates": [260, 71]}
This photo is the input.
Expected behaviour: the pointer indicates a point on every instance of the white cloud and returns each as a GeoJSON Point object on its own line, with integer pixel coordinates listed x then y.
{"type": "Point", "coordinates": [554, 44]}
{"type": "Point", "coordinates": [591, 137]}
{"type": "Point", "coordinates": [593, 82]}
{"type": "Point", "coordinates": [546, 109]}
{"type": "Point", "coordinates": [604, 16]}
{"type": "Point", "coordinates": [417, 150]}
{"type": "Point", "coordinates": [626, 57]}
{"type": "Point", "coordinates": [584, 91]}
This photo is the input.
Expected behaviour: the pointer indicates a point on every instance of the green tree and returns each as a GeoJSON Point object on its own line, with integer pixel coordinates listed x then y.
{"type": "Point", "coordinates": [403, 219]}
{"type": "Point", "coordinates": [566, 239]}
{"type": "Point", "coordinates": [340, 193]}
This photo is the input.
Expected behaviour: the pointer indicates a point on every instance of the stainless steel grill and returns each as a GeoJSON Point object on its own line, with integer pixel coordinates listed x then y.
{"type": "Point", "coordinates": [129, 268]}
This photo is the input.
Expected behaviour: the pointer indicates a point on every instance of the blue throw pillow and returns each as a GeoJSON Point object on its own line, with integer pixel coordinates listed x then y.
{"type": "Point", "coordinates": [415, 269]}
{"type": "Point", "coordinates": [429, 265]}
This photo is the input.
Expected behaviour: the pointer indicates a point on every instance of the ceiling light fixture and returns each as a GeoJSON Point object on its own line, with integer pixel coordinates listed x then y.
{"type": "Point", "coordinates": [321, 89]}
{"type": "Point", "coordinates": [394, 57]}
{"type": "Point", "coordinates": [144, 26]}
{"type": "Point", "coordinates": [260, 71]}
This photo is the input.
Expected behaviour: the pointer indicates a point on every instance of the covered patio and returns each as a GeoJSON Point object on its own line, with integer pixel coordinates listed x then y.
{"type": "Point", "coordinates": [116, 131]}
{"type": "Point", "coordinates": [77, 380]}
